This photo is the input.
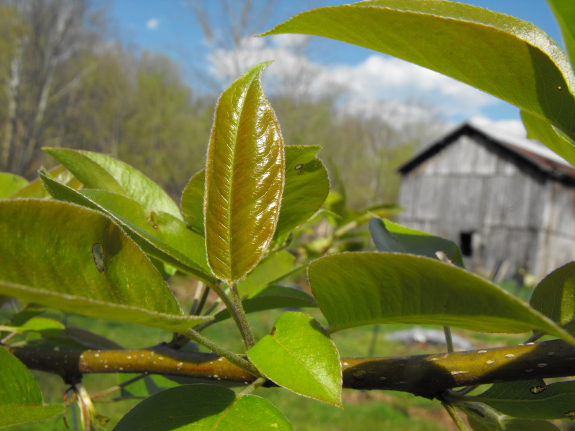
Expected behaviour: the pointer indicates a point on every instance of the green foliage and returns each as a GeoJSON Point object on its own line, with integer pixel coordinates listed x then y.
{"type": "Point", "coordinates": [98, 237]}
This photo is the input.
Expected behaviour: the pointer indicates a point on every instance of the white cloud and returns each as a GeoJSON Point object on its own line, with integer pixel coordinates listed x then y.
{"type": "Point", "coordinates": [378, 78]}
{"type": "Point", "coordinates": [152, 23]}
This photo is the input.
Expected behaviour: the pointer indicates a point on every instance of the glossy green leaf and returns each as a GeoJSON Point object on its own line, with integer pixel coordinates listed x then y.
{"type": "Point", "coordinates": [98, 171]}
{"type": "Point", "coordinates": [531, 399]}
{"type": "Point", "coordinates": [300, 356]}
{"type": "Point", "coordinates": [203, 407]}
{"type": "Point", "coordinates": [193, 202]}
{"type": "Point", "coordinates": [544, 132]}
{"type": "Point", "coordinates": [394, 238]}
{"type": "Point", "coordinates": [306, 187]}
{"type": "Point", "coordinates": [150, 244]}
{"type": "Point", "coordinates": [501, 55]}
{"type": "Point", "coordinates": [271, 298]}
{"type": "Point", "coordinates": [484, 418]}
{"type": "Point", "coordinates": [20, 396]}
{"type": "Point", "coordinates": [356, 289]}
{"type": "Point", "coordinates": [43, 325]}
{"type": "Point", "coordinates": [10, 184]}
{"type": "Point", "coordinates": [565, 14]}
{"type": "Point", "coordinates": [36, 190]}
{"type": "Point", "coordinates": [77, 260]}
{"type": "Point", "coordinates": [554, 296]}
{"type": "Point", "coordinates": [163, 226]}
{"type": "Point", "coordinates": [272, 269]}
{"type": "Point", "coordinates": [244, 178]}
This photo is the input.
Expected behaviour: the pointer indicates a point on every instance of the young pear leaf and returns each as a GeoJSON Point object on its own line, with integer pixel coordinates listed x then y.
{"type": "Point", "coordinates": [502, 55]}
{"type": "Point", "coordinates": [272, 269]}
{"type": "Point", "coordinates": [20, 396]}
{"type": "Point", "coordinates": [72, 258]}
{"type": "Point", "coordinates": [306, 187]}
{"type": "Point", "coordinates": [36, 190]}
{"type": "Point", "coordinates": [150, 244]}
{"type": "Point", "coordinates": [98, 171]}
{"type": "Point", "coordinates": [10, 184]}
{"type": "Point", "coordinates": [244, 178]}
{"type": "Point", "coordinates": [355, 289]}
{"type": "Point", "coordinates": [193, 202]}
{"type": "Point", "coordinates": [300, 356]}
{"type": "Point", "coordinates": [202, 407]}
{"type": "Point", "coordinates": [394, 238]}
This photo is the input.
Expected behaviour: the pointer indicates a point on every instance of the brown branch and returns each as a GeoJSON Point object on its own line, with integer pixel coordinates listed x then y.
{"type": "Point", "coordinates": [428, 376]}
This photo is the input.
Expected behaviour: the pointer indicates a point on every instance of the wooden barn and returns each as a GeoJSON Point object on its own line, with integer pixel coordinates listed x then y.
{"type": "Point", "coordinates": [508, 202]}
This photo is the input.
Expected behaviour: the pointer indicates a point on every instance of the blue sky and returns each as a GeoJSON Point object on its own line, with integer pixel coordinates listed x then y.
{"type": "Point", "coordinates": [168, 27]}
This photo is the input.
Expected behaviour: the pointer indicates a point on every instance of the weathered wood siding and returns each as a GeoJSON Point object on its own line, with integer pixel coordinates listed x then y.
{"type": "Point", "coordinates": [517, 213]}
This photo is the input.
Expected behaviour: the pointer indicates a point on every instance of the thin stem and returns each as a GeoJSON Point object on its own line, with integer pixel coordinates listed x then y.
{"type": "Point", "coordinates": [536, 336]}
{"type": "Point", "coordinates": [455, 416]}
{"type": "Point", "coordinates": [113, 400]}
{"type": "Point", "coordinates": [199, 299]}
{"type": "Point", "coordinates": [117, 387]}
{"type": "Point", "coordinates": [256, 384]}
{"type": "Point", "coordinates": [241, 314]}
{"type": "Point", "coordinates": [463, 391]}
{"type": "Point", "coordinates": [448, 339]}
{"type": "Point", "coordinates": [232, 357]}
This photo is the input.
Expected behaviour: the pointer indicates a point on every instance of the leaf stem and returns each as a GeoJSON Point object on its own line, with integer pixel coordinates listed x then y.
{"type": "Point", "coordinates": [455, 416]}
{"type": "Point", "coordinates": [232, 357]}
{"type": "Point", "coordinates": [200, 298]}
{"type": "Point", "coordinates": [241, 317]}
{"type": "Point", "coordinates": [448, 339]}
{"type": "Point", "coordinates": [256, 384]}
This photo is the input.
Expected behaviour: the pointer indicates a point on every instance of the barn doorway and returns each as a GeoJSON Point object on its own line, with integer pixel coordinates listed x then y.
{"type": "Point", "coordinates": [466, 243]}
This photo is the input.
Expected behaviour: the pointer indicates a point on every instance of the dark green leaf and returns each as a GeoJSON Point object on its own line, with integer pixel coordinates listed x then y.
{"type": "Point", "coordinates": [554, 296]}
{"type": "Point", "coordinates": [300, 356]}
{"type": "Point", "coordinates": [392, 237]}
{"type": "Point", "coordinates": [203, 407]}
{"type": "Point", "coordinates": [503, 56]}
{"type": "Point", "coordinates": [75, 259]}
{"type": "Point", "coordinates": [10, 184]}
{"type": "Point", "coordinates": [270, 298]}
{"type": "Point", "coordinates": [531, 399]}
{"type": "Point", "coordinates": [193, 202]}
{"type": "Point", "coordinates": [355, 289]}
{"type": "Point", "coordinates": [20, 396]}
{"type": "Point", "coordinates": [483, 418]}
{"type": "Point", "coordinates": [544, 132]}
{"type": "Point", "coordinates": [244, 178]}
{"type": "Point", "coordinates": [151, 245]}
{"type": "Point", "coordinates": [306, 187]}
{"type": "Point", "coordinates": [98, 171]}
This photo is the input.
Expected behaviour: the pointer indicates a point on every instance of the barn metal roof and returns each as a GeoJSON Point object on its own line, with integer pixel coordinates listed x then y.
{"type": "Point", "coordinates": [527, 150]}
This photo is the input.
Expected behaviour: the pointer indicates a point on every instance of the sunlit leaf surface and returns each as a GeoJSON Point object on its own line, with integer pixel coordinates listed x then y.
{"type": "Point", "coordinates": [98, 171]}
{"type": "Point", "coordinates": [300, 356]}
{"type": "Point", "coordinates": [501, 55]}
{"type": "Point", "coordinates": [244, 178]}
{"type": "Point", "coordinates": [10, 184]}
{"type": "Point", "coordinates": [75, 259]}
{"type": "Point", "coordinates": [193, 202]}
{"type": "Point", "coordinates": [355, 289]}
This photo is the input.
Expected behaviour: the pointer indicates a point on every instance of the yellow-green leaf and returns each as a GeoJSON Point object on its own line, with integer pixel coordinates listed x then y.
{"type": "Point", "coordinates": [193, 202]}
{"type": "Point", "coordinates": [77, 260]}
{"type": "Point", "coordinates": [244, 178]}
{"type": "Point", "coordinates": [10, 184]}
{"type": "Point", "coordinates": [496, 53]}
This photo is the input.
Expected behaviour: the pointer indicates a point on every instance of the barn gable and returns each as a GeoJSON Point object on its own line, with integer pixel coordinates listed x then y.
{"type": "Point", "coordinates": [506, 202]}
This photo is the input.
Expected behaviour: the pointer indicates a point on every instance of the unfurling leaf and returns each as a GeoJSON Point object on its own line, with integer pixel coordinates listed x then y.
{"type": "Point", "coordinates": [244, 178]}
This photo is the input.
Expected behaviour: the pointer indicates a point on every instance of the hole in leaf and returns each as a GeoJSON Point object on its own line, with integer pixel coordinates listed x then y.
{"type": "Point", "coordinates": [299, 168]}
{"type": "Point", "coordinates": [98, 254]}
